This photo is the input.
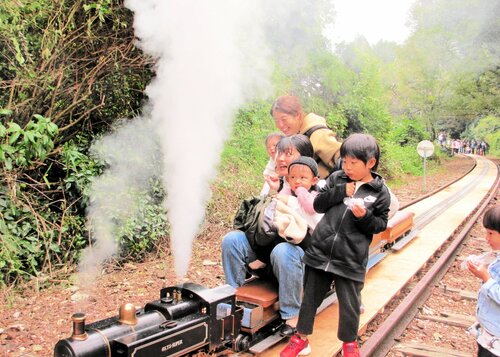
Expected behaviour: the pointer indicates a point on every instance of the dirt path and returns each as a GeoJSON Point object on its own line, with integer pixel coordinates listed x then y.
{"type": "Point", "coordinates": [32, 322]}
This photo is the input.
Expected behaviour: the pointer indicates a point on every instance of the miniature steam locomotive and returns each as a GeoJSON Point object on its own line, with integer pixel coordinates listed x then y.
{"type": "Point", "coordinates": [188, 318]}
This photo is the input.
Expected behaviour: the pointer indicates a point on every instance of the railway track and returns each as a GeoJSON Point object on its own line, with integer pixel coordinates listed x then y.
{"type": "Point", "coordinates": [397, 289]}
{"type": "Point", "coordinates": [414, 325]}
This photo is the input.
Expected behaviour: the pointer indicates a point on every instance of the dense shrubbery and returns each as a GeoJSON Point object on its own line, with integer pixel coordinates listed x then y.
{"type": "Point", "coordinates": [68, 68]}
{"type": "Point", "coordinates": [38, 234]}
{"type": "Point", "coordinates": [488, 129]}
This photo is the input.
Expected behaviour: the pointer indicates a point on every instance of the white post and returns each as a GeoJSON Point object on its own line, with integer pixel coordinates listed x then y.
{"type": "Point", "coordinates": [425, 164]}
{"type": "Point", "coordinates": [425, 148]}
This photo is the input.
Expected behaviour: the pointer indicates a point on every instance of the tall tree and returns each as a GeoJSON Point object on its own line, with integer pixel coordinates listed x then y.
{"type": "Point", "coordinates": [365, 105]}
{"type": "Point", "coordinates": [452, 44]}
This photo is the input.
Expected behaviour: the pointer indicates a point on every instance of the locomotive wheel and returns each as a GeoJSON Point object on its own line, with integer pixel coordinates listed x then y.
{"type": "Point", "coordinates": [388, 246]}
{"type": "Point", "coordinates": [242, 343]}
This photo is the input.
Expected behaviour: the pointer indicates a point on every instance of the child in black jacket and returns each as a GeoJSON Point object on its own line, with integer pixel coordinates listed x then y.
{"type": "Point", "coordinates": [356, 203]}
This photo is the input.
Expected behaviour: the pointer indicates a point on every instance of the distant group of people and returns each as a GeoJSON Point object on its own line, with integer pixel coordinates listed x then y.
{"type": "Point", "coordinates": [458, 146]}
{"type": "Point", "coordinates": [329, 201]}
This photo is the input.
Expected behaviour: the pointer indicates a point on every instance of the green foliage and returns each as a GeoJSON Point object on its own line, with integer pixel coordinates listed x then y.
{"type": "Point", "coordinates": [337, 122]}
{"type": "Point", "coordinates": [399, 149]}
{"type": "Point", "coordinates": [101, 8]}
{"type": "Point", "coordinates": [246, 147]}
{"type": "Point", "coordinates": [408, 132]}
{"type": "Point", "coordinates": [16, 245]}
{"type": "Point", "coordinates": [132, 213]}
{"type": "Point", "coordinates": [398, 160]}
{"type": "Point", "coordinates": [35, 238]}
{"type": "Point", "coordinates": [323, 84]}
{"type": "Point", "coordinates": [36, 230]}
{"type": "Point", "coordinates": [66, 60]}
{"type": "Point", "coordinates": [334, 76]}
{"type": "Point", "coordinates": [488, 129]}
{"type": "Point", "coordinates": [39, 234]}
{"type": "Point", "coordinates": [21, 148]}
{"type": "Point", "coordinates": [447, 71]}
{"type": "Point", "coordinates": [486, 126]}
{"type": "Point", "coordinates": [79, 171]}
{"type": "Point", "coordinates": [363, 103]}
{"type": "Point", "coordinates": [139, 234]}
{"type": "Point", "coordinates": [67, 68]}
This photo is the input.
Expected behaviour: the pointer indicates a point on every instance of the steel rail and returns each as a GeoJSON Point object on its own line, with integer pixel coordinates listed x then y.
{"type": "Point", "coordinates": [383, 338]}
{"type": "Point", "coordinates": [440, 188]}
{"type": "Point", "coordinates": [425, 218]}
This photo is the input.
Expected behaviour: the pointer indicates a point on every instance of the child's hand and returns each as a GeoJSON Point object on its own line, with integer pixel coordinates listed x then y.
{"type": "Point", "coordinates": [358, 210]}
{"type": "Point", "coordinates": [481, 271]}
{"type": "Point", "coordinates": [349, 188]}
{"type": "Point", "coordinates": [273, 181]}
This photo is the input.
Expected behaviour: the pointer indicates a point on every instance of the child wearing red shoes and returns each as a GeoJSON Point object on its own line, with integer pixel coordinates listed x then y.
{"type": "Point", "coordinates": [356, 203]}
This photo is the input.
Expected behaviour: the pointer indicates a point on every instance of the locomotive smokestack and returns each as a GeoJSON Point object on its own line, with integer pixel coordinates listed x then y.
{"type": "Point", "coordinates": [79, 326]}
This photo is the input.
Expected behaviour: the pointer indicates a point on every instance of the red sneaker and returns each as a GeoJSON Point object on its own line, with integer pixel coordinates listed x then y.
{"type": "Point", "coordinates": [350, 349]}
{"type": "Point", "coordinates": [296, 347]}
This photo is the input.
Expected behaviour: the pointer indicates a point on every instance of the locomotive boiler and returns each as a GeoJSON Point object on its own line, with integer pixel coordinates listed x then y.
{"type": "Point", "coordinates": [187, 318]}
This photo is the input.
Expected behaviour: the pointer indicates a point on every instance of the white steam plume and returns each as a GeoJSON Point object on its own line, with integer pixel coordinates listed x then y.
{"type": "Point", "coordinates": [210, 59]}
{"type": "Point", "coordinates": [130, 153]}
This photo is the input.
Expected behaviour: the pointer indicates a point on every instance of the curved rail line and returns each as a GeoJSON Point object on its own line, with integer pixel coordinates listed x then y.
{"type": "Point", "coordinates": [425, 218]}
{"type": "Point", "coordinates": [383, 339]}
{"type": "Point", "coordinates": [441, 188]}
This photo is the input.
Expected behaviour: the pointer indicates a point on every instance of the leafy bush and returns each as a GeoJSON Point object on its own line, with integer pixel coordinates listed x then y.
{"type": "Point", "coordinates": [246, 147]}
{"type": "Point", "coordinates": [79, 171]}
{"type": "Point", "coordinates": [69, 68]}
{"type": "Point", "coordinates": [26, 147]}
{"type": "Point", "coordinates": [37, 230]}
{"type": "Point", "coordinates": [397, 160]}
{"type": "Point", "coordinates": [408, 132]}
{"type": "Point", "coordinates": [488, 129]}
{"type": "Point", "coordinates": [243, 160]}
{"type": "Point", "coordinates": [140, 233]}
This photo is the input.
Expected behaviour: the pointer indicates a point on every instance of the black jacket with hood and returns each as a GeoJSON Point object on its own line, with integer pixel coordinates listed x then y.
{"type": "Point", "coordinates": [340, 243]}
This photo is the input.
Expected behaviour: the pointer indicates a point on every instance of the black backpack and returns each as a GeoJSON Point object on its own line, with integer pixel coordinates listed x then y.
{"type": "Point", "coordinates": [254, 217]}
{"type": "Point", "coordinates": [338, 164]}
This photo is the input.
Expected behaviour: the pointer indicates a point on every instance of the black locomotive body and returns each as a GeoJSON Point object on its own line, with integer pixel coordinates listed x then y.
{"type": "Point", "coordinates": [187, 318]}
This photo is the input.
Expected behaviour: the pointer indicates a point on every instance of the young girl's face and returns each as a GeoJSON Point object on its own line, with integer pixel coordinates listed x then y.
{"type": "Point", "coordinates": [285, 158]}
{"type": "Point", "coordinates": [301, 176]}
{"type": "Point", "coordinates": [357, 170]}
{"type": "Point", "coordinates": [493, 239]}
{"type": "Point", "coordinates": [271, 146]}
